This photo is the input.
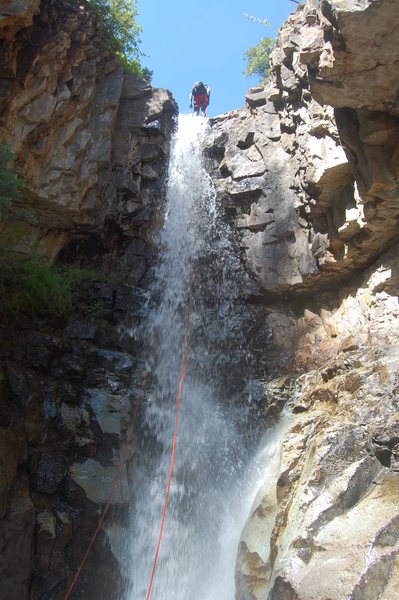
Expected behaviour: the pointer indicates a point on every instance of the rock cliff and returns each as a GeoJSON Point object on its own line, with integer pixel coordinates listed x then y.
{"type": "Point", "coordinates": [90, 141]}
{"type": "Point", "coordinates": [92, 145]}
{"type": "Point", "coordinates": [310, 167]}
{"type": "Point", "coordinates": [307, 172]}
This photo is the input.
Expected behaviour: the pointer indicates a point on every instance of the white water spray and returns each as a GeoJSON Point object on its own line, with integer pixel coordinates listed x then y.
{"type": "Point", "coordinates": [210, 479]}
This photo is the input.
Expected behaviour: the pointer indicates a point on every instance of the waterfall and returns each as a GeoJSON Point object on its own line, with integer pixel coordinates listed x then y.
{"type": "Point", "coordinates": [216, 433]}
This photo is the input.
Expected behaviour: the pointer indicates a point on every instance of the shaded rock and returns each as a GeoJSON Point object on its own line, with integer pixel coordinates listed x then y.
{"type": "Point", "coordinates": [96, 481]}
{"type": "Point", "coordinates": [16, 14]}
{"type": "Point", "coordinates": [13, 453]}
{"type": "Point", "coordinates": [256, 97]}
{"type": "Point", "coordinates": [17, 543]}
{"type": "Point", "coordinates": [109, 410]}
{"type": "Point", "coordinates": [82, 330]}
{"type": "Point", "coordinates": [282, 590]}
{"type": "Point", "coordinates": [20, 382]}
{"type": "Point", "coordinates": [48, 474]}
{"type": "Point", "coordinates": [54, 531]}
{"type": "Point", "coordinates": [39, 350]}
{"type": "Point", "coordinates": [46, 524]}
{"type": "Point", "coordinates": [68, 366]}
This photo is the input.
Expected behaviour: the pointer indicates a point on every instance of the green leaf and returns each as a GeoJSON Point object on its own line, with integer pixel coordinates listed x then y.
{"type": "Point", "coordinates": [120, 32]}
{"type": "Point", "coordinates": [257, 57]}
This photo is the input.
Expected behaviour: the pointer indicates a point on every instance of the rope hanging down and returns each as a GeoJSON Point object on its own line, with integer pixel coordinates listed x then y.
{"type": "Point", "coordinates": [121, 462]}
{"type": "Point", "coordinates": [175, 430]}
{"type": "Point", "coordinates": [124, 453]}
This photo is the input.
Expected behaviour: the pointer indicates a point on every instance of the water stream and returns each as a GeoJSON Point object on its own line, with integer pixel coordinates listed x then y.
{"type": "Point", "coordinates": [215, 476]}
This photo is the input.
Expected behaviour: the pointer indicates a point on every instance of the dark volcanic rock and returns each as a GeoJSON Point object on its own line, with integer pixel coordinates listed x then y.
{"type": "Point", "coordinates": [48, 474]}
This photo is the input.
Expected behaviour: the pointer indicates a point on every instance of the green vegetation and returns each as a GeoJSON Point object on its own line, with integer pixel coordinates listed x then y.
{"type": "Point", "coordinates": [10, 187]}
{"type": "Point", "coordinates": [9, 182]}
{"type": "Point", "coordinates": [257, 57]}
{"type": "Point", "coordinates": [243, 210]}
{"type": "Point", "coordinates": [121, 33]}
{"type": "Point", "coordinates": [92, 307]}
{"type": "Point", "coordinates": [29, 287]}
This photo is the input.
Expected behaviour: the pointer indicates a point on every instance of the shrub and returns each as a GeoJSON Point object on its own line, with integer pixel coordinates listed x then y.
{"type": "Point", "coordinates": [29, 287]}
{"type": "Point", "coordinates": [10, 187]}
{"type": "Point", "coordinates": [121, 33]}
{"type": "Point", "coordinates": [9, 182]}
{"type": "Point", "coordinates": [258, 58]}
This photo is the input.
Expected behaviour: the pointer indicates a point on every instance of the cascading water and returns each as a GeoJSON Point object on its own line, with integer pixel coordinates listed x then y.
{"type": "Point", "coordinates": [210, 479]}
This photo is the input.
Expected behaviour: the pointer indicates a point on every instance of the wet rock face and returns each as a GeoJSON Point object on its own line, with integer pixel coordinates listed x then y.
{"type": "Point", "coordinates": [252, 183]}
{"type": "Point", "coordinates": [92, 145]}
{"type": "Point", "coordinates": [91, 142]}
{"type": "Point", "coordinates": [308, 169]}
{"type": "Point", "coordinates": [65, 405]}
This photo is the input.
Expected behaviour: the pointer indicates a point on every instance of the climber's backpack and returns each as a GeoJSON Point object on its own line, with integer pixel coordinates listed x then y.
{"type": "Point", "coordinates": [199, 88]}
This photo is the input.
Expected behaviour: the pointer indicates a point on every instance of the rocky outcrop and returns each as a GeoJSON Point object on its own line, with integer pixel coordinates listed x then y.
{"type": "Point", "coordinates": [330, 497]}
{"type": "Point", "coordinates": [65, 405]}
{"type": "Point", "coordinates": [309, 169]}
{"type": "Point", "coordinates": [90, 141]}
{"type": "Point", "coordinates": [308, 175]}
{"type": "Point", "coordinates": [14, 15]}
{"type": "Point", "coordinates": [92, 145]}
{"type": "Point", "coordinates": [321, 203]}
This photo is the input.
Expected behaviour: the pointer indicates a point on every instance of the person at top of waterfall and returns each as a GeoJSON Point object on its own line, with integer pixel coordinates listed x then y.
{"type": "Point", "coordinates": [200, 95]}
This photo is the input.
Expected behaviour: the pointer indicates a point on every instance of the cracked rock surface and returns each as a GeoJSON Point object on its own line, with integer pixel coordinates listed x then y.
{"type": "Point", "coordinates": [314, 155]}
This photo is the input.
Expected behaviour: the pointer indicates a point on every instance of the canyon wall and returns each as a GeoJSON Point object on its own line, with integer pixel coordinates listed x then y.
{"type": "Point", "coordinates": [308, 174]}
{"type": "Point", "coordinates": [92, 145]}
{"type": "Point", "coordinates": [90, 141]}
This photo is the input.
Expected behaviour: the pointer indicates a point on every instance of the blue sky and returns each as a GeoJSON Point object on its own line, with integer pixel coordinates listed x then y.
{"type": "Point", "coordinates": [205, 40]}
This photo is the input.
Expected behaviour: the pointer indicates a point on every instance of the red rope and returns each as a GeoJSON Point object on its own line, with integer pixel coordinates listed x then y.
{"type": "Point", "coordinates": [121, 462]}
{"type": "Point", "coordinates": [175, 431]}
{"type": "Point", "coordinates": [124, 453]}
